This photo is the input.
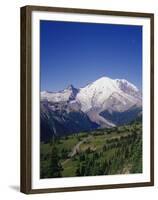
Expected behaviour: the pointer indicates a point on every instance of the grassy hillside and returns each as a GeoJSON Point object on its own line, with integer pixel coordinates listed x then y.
{"type": "Point", "coordinates": [101, 152]}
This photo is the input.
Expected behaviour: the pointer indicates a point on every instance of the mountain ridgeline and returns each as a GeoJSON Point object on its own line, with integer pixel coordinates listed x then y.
{"type": "Point", "coordinates": [105, 103]}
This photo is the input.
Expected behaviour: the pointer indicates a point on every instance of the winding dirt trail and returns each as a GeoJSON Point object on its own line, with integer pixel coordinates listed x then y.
{"type": "Point", "coordinates": [76, 149]}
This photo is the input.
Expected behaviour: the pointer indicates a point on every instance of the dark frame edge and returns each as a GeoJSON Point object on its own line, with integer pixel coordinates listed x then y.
{"type": "Point", "coordinates": [152, 99]}
{"type": "Point", "coordinates": [25, 99]}
{"type": "Point", "coordinates": [87, 11]}
{"type": "Point", "coordinates": [89, 188]}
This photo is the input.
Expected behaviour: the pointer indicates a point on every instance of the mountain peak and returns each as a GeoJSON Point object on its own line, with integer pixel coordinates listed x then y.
{"type": "Point", "coordinates": [104, 81]}
{"type": "Point", "coordinates": [70, 87]}
{"type": "Point", "coordinates": [103, 78]}
{"type": "Point", "coordinates": [123, 83]}
{"type": "Point", "coordinates": [98, 94]}
{"type": "Point", "coordinates": [102, 101]}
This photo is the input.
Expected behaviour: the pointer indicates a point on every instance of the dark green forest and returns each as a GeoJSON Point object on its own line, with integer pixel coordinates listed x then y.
{"type": "Point", "coordinates": [106, 151]}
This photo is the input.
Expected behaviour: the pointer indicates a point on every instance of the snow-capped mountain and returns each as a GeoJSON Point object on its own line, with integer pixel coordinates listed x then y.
{"type": "Point", "coordinates": [65, 95]}
{"type": "Point", "coordinates": [107, 93]}
{"type": "Point", "coordinates": [105, 102]}
{"type": "Point", "coordinates": [104, 93]}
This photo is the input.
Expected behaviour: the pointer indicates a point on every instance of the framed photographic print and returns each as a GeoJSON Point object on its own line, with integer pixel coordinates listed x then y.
{"type": "Point", "coordinates": [87, 99]}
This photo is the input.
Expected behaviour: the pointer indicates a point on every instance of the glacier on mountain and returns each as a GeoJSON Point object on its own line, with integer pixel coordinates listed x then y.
{"type": "Point", "coordinates": [98, 100]}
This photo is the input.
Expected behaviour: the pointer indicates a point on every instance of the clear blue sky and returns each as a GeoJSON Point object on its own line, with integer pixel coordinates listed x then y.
{"type": "Point", "coordinates": [79, 53]}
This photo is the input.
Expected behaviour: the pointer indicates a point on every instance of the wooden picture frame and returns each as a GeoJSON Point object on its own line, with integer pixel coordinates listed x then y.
{"type": "Point", "coordinates": [27, 92]}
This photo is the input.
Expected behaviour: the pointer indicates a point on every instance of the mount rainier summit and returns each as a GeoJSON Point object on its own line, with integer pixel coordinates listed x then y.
{"type": "Point", "coordinates": [103, 103]}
